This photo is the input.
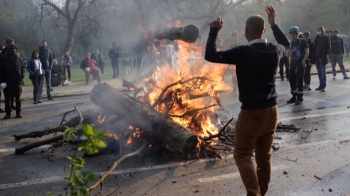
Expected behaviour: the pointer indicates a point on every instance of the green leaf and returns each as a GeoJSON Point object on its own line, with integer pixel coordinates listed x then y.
{"type": "Point", "coordinates": [100, 144]}
{"type": "Point", "coordinates": [88, 130]}
{"type": "Point", "coordinates": [50, 193]}
{"type": "Point", "coordinates": [101, 134]}
{"type": "Point", "coordinates": [78, 162]}
{"type": "Point", "coordinates": [89, 175]}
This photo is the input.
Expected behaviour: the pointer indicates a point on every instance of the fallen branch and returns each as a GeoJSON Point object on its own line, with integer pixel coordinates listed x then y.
{"type": "Point", "coordinates": [304, 137]}
{"type": "Point", "coordinates": [221, 133]}
{"type": "Point", "coordinates": [190, 112]}
{"type": "Point", "coordinates": [23, 149]}
{"type": "Point", "coordinates": [281, 126]}
{"type": "Point", "coordinates": [114, 166]}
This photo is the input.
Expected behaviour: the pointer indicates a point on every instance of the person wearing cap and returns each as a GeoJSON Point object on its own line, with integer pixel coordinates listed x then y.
{"type": "Point", "coordinates": [320, 57]}
{"type": "Point", "coordinates": [12, 73]}
{"type": "Point", "coordinates": [337, 54]}
{"type": "Point", "coordinates": [299, 53]}
{"type": "Point", "coordinates": [307, 74]}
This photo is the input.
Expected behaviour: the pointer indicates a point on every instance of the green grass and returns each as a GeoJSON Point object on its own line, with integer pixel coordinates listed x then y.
{"type": "Point", "coordinates": [77, 75]}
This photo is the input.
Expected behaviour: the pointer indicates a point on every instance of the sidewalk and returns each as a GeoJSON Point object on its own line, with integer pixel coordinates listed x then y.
{"type": "Point", "coordinates": [74, 89]}
{"type": "Point", "coordinates": [79, 88]}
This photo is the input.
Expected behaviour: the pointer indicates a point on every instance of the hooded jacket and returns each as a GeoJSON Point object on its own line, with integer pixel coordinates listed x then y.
{"type": "Point", "coordinates": [12, 70]}
{"type": "Point", "coordinates": [256, 66]}
{"type": "Point", "coordinates": [45, 55]}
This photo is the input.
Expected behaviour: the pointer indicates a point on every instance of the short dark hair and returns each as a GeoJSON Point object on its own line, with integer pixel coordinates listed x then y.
{"type": "Point", "coordinates": [330, 31]}
{"type": "Point", "coordinates": [34, 51]}
{"type": "Point", "coordinates": [307, 33]}
{"type": "Point", "coordinates": [256, 24]}
{"type": "Point", "coordinates": [336, 30]}
{"type": "Point", "coordinates": [43, 41]}
{"type": "Point", "coordinates": [9, 41]}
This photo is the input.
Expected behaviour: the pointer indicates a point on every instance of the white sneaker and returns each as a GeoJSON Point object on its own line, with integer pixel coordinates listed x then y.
{"type": "Point", "coordinates": [328, 65]}
{"type": "Point", "coordinates": [333, 77]}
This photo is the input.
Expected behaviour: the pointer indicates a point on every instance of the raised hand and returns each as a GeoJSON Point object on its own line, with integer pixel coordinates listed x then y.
{"type": "Point", "coordinates": [271, 15]}
{"type": "Point", "coordinates": [218, 23]}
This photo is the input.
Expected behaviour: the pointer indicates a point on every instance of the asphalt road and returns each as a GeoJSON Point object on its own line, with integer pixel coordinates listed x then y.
{"type": "Point", "coordinates": [324, 154]}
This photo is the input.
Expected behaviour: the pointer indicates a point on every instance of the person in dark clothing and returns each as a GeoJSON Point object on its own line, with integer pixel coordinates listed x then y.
{"type": "Point", "coordinates": [114, 54]}
{"type": "Point", "coordinates": [9, 41]}
{"type": "Point", "coordinates": [337, 54]}
{"type": "Point", "coordinates": [1, 49]}
{"type": "Point", "coordinates": [320, 57]}
{"type": "Point", "coordinates": [66, 62]}
{"type": "Point", "coordinates": [256, 66]}
{"type": "Point", "coordinates": [97, 57]}
{"type": "Point", "coordinates": [58, 72]}
{"type": "Point", "coordinates": [307, 74]}
{"type": "Point", "coordinates": [12, 73]}
{"type": "Point", "coordinates": [45, 56]}
{"type": "Point", "coordinates": [284, 62]}
{"type": "Point", "coordinates": [299, 53]}
{"type": "Point", "coordinates": [35, 70]}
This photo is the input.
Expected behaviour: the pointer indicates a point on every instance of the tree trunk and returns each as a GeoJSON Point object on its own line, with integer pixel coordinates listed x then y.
{"type": "Point", "coordinates": [150, 122]}
{"type": "Point", "coordinates": [70, 37]}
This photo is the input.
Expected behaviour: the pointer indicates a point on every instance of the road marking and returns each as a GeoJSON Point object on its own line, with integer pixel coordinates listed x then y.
{"type": "Point", "coordinates": [316, 115]}
{"type": "Point", "coordinates": [342, 86]}
{"type": "Point", "coordinates": [4, 150]}
{"type": "Point", "coordinates": [233, 175]}
{"type": "Point", "coordinates": [118, 172]}
{"type": "Point", "coordinates": [318, 100]}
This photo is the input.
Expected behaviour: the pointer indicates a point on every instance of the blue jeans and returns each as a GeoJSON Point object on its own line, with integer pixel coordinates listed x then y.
{"type": "Point", "coordinates": [115, 68]}
{"type": "Point", "coordinates": [47, 74]}
{"type": "Point", "coordinates": [321, 70]}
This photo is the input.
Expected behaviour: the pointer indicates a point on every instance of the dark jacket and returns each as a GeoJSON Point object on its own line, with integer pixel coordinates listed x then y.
{"type": "Point", "coordinates": [12, 70]}
{"type": "Point", "coordinates": [256, 67]}
{"type": "Point", "coordinates": [57, 69]}
{"type": "Point", "coordinates": [31, 68]}
{"type": "Point", "coordinates": [311, 49]}
{"type": "Point", "coordinates": [84, 64]}
{"type": "Point", "coordinates": [326, 48]}
{"type": "Point", "coordinates": [114, 54]}
{"type": "Point", "coordinates": [98, 59]}
{"type": "Point", "coordinates": [45, 55]}
{"type": "Point", "coordinates": [337, 45]}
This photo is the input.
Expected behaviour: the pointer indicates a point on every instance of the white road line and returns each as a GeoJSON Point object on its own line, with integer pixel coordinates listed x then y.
{"type": "Point", "coordinates": [118, 172]}
{"type": "Point", "coordinates": [4, 150]}
{"type": "Point", "coordinates": [318, 100]}
{"type": "Point", "coordinates": [316, 115]}
{"type": "Point", "coordinates": [233, 175]}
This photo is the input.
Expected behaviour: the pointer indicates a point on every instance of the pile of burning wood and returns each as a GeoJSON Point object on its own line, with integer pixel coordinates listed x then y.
{"type": "Point", "coordinates": [178, 110]}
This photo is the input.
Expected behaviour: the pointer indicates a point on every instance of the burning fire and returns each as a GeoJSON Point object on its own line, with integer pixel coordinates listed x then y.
{"type": "Point", "coordinates": [101, 119]}
{"type": "Point", "coordinates": [197, 84]}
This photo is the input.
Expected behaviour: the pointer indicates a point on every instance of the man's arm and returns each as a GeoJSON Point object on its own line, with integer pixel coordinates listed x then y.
{"type": "Point", "coordinates": [342, 46]}
{"type": "Point", "coordinates": [212, 55]}
{"type": "Point", "coordinates": [50, 59]}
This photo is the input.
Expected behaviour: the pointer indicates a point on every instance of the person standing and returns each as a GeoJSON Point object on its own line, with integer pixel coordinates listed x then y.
{"type": "Point", "coordinates": [12, 73]}
{"type": "Point", "coordinates": [256, 65]}
{"type": "Point", "coordinates": [45, 56]}
{"type": "Point", "coordinates": [66, 62]}
{"type": "Point", "coordinates": [299, 53]}
{"type": "Point", "coordinates": [284, 62]}
{"type": "Point", "coordinates": [114, 54]}
{"type": "Point", "coordinates": [307, 74]}
{"type": "Point", "coordinates": [97, 57]}
{"type": "Point", "coordinates": [89, 66]}
{"type": "Point", "coordinates": [337, 54]}
{"type": "Point", "coordinates": [35, 71]}
{"type": "Point", "coordinates": [8, 42]}
{"type": "Point", "coordinates": [1, 49]}
{"type": "Point", "coordinates": [322, 50]}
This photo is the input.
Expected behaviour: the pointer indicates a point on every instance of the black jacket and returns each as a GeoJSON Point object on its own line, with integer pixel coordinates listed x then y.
{"type": "Point", "coordinates": [45, 56]}
{"type": "Point", "coordinates": [311, 49]}
{"type": "Point", "coordinates": [12, 70]}
{"type": "Point", "coordinates": [337, 45]}
{"type": "Point", "coordinates": [326, 48]}
{"type": "Point", "coordinates": [256, 67]}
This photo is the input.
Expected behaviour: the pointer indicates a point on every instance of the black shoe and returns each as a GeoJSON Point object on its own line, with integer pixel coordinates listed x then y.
{"type": "Point", "coordinates": [298, 102]}
{"type": "Point", "coordinates": [50, 98]}
{"type": "Point", "coordinates": [7, 117]}
{"type": "Point", "coordinates": [2, 111]}
{"type": "Point", "coordinates": [291, 100]}
{"type": "Point", "coordinates": [319, 88]}
{"type": "Point", "coordinates": [346, 77]}
{"type": "Point", "coordinates": [39, 101]}
{"type": "Point", "coordinates": [19, 116]}
{"type": "Point", "coordinates": [13, 107]}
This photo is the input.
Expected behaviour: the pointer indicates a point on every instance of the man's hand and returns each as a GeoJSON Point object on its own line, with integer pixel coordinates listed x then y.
{"type": "Point", "coordinates": [218, 23]}
{"type": "Point", "coordinates": [303, 64]}
{"type": "Point", "coordinates": [271, 15]}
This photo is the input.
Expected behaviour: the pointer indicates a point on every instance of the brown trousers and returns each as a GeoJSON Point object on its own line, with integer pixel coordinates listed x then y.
{"type": "Point", "coordinates": [92, 70]}
{"type": "Point", "coordinates": [255, 129]}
